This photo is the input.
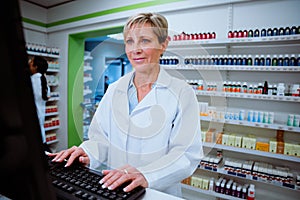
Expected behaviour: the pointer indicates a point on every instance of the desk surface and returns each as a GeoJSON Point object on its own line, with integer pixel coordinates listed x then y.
{"type": "Point", "coordinates": [154, 194]}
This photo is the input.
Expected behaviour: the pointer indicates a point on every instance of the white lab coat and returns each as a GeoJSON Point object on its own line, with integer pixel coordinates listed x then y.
{"type": "Point", "coordinates": [39, 102]}
{"type": "Point", "coordinates": [161, 137]}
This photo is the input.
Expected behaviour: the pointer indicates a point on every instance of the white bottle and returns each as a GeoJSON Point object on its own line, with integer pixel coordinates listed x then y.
{"type": "Point", "coordinates": [295, 90]}
{"type": "Point", "coordinates": [280, 89]}
{"type": "Point", "coordinates": [270, 90]}
{"type": "Point", "coordinates": [211, 184]}
{"type": "Point", "coordinates": [251, 192]}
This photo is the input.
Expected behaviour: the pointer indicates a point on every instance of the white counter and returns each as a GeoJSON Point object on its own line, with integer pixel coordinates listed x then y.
{"type": "Point", "coordinates": [154, 194]}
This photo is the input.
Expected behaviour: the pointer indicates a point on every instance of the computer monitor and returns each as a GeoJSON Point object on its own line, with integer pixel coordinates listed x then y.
{"type": "Point", "coordinates": [23, 166]}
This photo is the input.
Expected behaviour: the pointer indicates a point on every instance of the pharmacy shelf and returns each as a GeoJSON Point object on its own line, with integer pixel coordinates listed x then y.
{"type": "Point", "coordinates": [87, 79]}
{"type": "Point", "coordinates": [248, 96]}
{"type": "Point", "coordinates": [252, 124]}
{"type": "Point", "coordinates": [208, 192]}
{"type": "Point", "coordinates": [52, 142]}
{"type": "Point", "coordinates": [51, 128]}
{"type": "Point", "coordinates": [86, 92]}
{"type": "Point", "coordinates": [249, 68]}
{"type": "Point", "coordinates": [54, 99]}
{"type": "Point", "coordinates": [252, 152]}
{"type": "Point", "coordinates": [253, 41]}
{"type": "Point", "coordinates": [51, 114]}
{"type": "Point", "coordinates": [52, 70]}
{"type": "Point", "coordinates": [53, 84]}
{"type": "Point", "coordinates": [42, 54]}
{"type": "Point", "coordinates": [88, 58]}
{"type": "Point", "coordinates": [250, 177]}
{"type": "Point", "coordinates": [87, 68]}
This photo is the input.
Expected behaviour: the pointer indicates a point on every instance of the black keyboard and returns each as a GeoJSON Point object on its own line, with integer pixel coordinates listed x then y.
{"type": "Point", "coordinates": [79, 182]}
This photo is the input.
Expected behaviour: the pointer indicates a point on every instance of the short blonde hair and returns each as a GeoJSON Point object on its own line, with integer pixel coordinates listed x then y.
{"type": "Point", "coordinates": [157, 21]}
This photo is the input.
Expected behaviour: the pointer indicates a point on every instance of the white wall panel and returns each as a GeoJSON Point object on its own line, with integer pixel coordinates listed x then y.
{"type": "Point", "coordinates": [33, 12]}
{"type": "Point", "coordinates": [265, 14]}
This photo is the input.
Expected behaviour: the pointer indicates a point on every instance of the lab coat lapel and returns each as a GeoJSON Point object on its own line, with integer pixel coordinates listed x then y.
{"type": "Point", "coordinates": [120, 103]}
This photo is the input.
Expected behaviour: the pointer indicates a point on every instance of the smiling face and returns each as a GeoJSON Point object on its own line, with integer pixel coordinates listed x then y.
{"type": "Point", "coordinates": [143, 48]}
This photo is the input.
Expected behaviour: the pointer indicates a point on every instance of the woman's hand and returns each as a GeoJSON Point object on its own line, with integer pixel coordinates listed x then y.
{"type": "Point", "coordinates": [71, 154]}
{"type": "Point", "coordinates": [115, 178]}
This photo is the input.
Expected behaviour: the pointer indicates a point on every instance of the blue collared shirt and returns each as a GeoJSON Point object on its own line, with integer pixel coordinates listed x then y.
{"type": "Point", "coordinates": [132, 94]}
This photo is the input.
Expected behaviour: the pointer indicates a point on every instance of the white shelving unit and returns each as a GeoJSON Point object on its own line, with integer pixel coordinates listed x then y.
{"type": "Point", "coordinates": [53, 82]}
{"type": "Point", "coordinates": [281, 105]}
{"type": "Point", "coordinates": [87, 104]}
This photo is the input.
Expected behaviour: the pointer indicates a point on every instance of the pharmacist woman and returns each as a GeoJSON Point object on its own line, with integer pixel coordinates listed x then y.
{"type": "Point", "coordinates": [38, 67]}
{"type": "Point", "coordinates": [146, 127]}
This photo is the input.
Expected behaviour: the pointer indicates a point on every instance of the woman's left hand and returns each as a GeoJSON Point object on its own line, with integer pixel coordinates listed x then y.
{"type": "Point", "coordinates": [114, 178]}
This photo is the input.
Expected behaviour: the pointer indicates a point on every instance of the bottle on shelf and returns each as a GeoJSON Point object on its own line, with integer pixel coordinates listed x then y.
{"type": "Point", "coordinates": [234, 60]}
{"type": "Point", "coordinates": [239, 60]}
{"type": "Point", "coordinates": [292, 61]}
{"type": "Point", "coordinates": [245, 87]}
{"type": "Point", "coordinates": [274, 60]}
{"type": "Point", "coordinates": [244, 61]}
{"type": "Point", "coordinates": [265, 88]}
{"type": "Point", "coordinates": [275, 31]}
{"type": "Point", "coordinates": [251, 192]}
{"type": "Point", "coordinates": [274, 91]}
{"type": "Point", "coordinates": [270, 90]}
{"type": "Point", "coordinates": [224, 86]}
{"type": "Point", "coordinates": [245, 33]}
{"type": "Point", "coordinates": [268, 60]}
{"type": "Point", "coordinates": [295, 90]}
{"type": "Point", "coordinates": [222, 186]}
{"type": "Point", "coordinates": [249, 60]}
{"type": "Point", "coordinates": [286, 60]}
{"type": "Point", "coordinates": [244, 192]}
{"type": "Point", "coordinates": [293, 30]}
{"type": "Point", "coordinates": [250, 89]}
{"type": "Point", "coordinates": [239, 191]}
{"type": "Point", "coordinates": [233, 189]}
{"type": "Point", "coordinates": [256, 33]}
{"type": "Point", "coordinates": [211, 184]}
{"type": "Point", "coordinates": [256, 60]}
{"type": "Point", "coordinates": [218, 185]}
{"type": "Point", "coordinates": [262, 60]}
{"type": "Point", "coordinates": [287, 31]}
{"type": "Point", "coordinates": [260, 88]}
{"type": "Point", "coordinates": [228, 187]}
{"type": "Point", "coordinates": [250, 33]}
{"type": "Point", "coordinates": [280, 89]}
{"type": "Point", "coordinates": [200, 85]}
{"type": "Point", "coordinates": [280, 60]}
{"type": "Point", "coordinates": [281, 31]}
{"type": "Point", "coordinates": [238, 87]}
{"type": "Point", "coordinates": [269, 32]}
{"type": "Point", "coordinates": [263, 32]}
{"type": "Point", "coordinates": [298, 60]}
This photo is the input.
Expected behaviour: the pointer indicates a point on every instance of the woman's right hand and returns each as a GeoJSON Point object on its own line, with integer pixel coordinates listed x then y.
{"type": "Point", "coordinates": [71, 155]}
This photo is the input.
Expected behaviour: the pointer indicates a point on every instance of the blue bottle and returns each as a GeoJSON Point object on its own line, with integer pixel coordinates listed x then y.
{"type": "Point", "coordinates": [268, 60]}
{"type": "Point", "coordinates": [286, 60]}
{"type": "Point", "coordinates": [298, 60]}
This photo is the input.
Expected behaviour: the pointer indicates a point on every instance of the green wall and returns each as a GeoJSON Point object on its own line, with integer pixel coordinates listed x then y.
{"type": "Point", "coordinates": [75, 81]}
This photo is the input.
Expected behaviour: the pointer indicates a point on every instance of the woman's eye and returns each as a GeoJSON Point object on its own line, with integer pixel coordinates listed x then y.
{"type": "Point", "coordinates": [129, 41]}
{"type": "Point", "coordinates": [145, 41]}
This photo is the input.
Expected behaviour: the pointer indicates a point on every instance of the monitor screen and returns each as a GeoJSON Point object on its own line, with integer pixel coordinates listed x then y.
{"type": "Point", "coordinates": [23, 166]}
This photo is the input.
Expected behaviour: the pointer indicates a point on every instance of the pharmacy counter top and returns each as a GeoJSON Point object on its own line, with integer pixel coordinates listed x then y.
{"type": "Point", "coordinates": [154, 194]}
